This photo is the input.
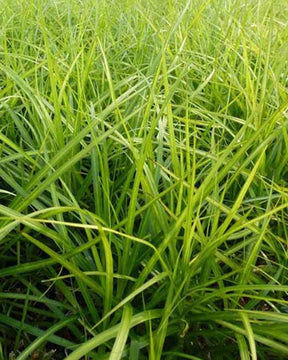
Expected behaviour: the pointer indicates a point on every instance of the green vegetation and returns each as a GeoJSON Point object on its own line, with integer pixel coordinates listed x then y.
{"type": "Point", "coordinates": [143, 179]}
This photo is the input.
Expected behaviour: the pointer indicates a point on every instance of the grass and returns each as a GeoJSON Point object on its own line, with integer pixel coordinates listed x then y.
{"type": "Point", "coordinates": [143, 179]}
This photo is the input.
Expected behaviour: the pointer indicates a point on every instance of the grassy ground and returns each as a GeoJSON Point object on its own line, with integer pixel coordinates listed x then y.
{"type": "Point", "coordinates": [143, 179]}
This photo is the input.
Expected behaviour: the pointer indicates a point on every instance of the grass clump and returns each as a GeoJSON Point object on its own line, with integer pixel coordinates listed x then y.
{"type": "Point", "coordinates": [143, 179]}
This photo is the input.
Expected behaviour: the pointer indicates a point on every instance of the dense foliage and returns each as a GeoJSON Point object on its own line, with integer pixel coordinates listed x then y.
{"type": "Point", "coordinates": [143, 179]}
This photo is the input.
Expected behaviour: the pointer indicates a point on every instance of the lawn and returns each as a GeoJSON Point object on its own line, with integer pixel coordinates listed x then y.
{"type": "Point", "coordinates": [143, 179]}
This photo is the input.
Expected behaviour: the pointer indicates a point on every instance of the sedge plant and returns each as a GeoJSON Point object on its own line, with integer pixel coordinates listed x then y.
{"type": "Point", "coordinates": [143, 179]}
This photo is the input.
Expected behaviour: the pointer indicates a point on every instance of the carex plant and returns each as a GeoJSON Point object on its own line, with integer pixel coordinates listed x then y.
{"type": "Point", "coordinates": [143, 179]}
